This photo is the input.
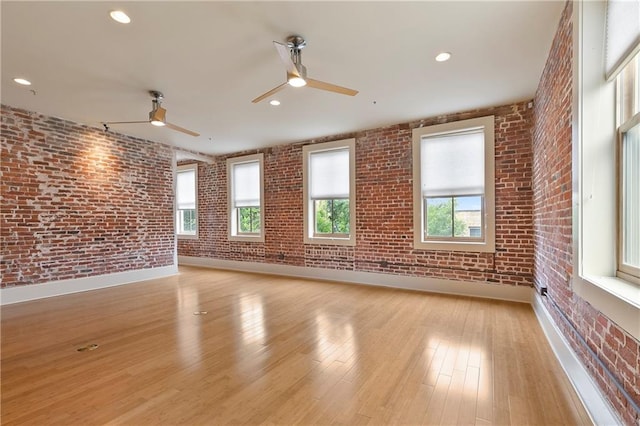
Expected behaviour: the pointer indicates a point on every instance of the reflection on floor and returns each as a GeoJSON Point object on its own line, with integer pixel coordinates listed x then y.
{"type": "Point", "coordinates": [277, 351]}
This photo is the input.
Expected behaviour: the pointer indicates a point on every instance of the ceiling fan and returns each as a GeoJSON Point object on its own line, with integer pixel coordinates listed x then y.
{"type": "Point", "coordinates": [291, 56]}
{"type": "Point", "coordinates": [157, 116]}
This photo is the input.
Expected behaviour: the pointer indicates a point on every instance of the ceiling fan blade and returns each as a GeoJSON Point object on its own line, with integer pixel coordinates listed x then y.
{"type": "Point", "coordinates": [124, 122]}
{"type": "Point", "coordinates": [181, 129]}
{"type": "Point", "coordinates": [269, 93]}
{"type": "Point", "coordinates": [317, 84]}
{"type": "Point", "coordinates": [285, 56]}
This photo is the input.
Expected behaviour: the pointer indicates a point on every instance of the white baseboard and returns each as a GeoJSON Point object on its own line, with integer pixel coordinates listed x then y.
{"type": "Point", "coordinates": [24, 293]}
{"type": "Point", "coordinates": [434, 285]}
{"type": "Point", "coordinates": [592, 399]}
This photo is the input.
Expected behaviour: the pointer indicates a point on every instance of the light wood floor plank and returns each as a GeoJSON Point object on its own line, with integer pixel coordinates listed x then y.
{"type": "Point", "coordinates": [273, 351]}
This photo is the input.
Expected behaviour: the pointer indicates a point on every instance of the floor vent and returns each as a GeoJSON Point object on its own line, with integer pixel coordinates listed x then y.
{"type": "Point", "coordinates": [90, 347]}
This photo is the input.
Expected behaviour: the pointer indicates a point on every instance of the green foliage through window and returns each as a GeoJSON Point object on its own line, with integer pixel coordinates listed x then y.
{"type": "Point", "coordinates": [249, 220]}
{"type": "Point", "coordinates": [332, 216]}
{"type": "Point", "coordinates": [451, 217]}
{"type": "Point", "coordinates": [187, 221]}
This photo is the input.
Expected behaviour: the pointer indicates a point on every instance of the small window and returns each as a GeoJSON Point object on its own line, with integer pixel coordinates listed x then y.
{"type": "Point", "coordinates": [629, 172]}
{"type": "Point", "coordinates": [186, 201]}
{"type": "Point", "coordinates": [245, 178]}
{"type": "Point", "coordinates": [454, 187]}
{"type": "Point", "coordinates": [329, 192]}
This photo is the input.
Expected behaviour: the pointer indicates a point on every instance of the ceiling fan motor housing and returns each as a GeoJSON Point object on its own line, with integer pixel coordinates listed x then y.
{"type": "Point", "coordinates": [158, 113]}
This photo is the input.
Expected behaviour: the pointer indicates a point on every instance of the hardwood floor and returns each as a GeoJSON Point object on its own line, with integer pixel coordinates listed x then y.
{"type": "Point", "coordinates": [274, 350]}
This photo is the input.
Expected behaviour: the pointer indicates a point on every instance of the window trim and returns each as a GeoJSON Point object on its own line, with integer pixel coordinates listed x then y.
{"type": "Point", "coordinates": [488, 219]}
{"type": "Point", "coordinates": [310, 236]}
{"type": "Point", "coordinates": [233, 234]}
{"type": "Point", "coordinates": [183, 167]}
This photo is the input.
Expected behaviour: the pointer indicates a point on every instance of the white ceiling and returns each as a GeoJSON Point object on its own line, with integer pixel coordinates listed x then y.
{"type": "Point", "coordinates": [212, 58]}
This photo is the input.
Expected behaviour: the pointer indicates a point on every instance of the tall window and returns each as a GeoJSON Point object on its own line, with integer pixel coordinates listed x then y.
{"type": "Point", "coordinates": [628, 83]}
{"type": "Point", "coordinates": [330, 192]}
{"type": "Point", "coordinates": [186, 201]}
{"type": "Point", "coordinates": [453, 186]}
{"type": "Point", "coordinates": [245, 178]}
{"type": "Point", "coordinates": [605, 158]}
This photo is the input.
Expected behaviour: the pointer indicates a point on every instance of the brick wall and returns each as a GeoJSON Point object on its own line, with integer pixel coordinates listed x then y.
{"type": "Point", "coordinates": [384, 215]}
{"type": "Point", "coordinates": [78, 202]}
{"type": "Point", "coordinates": [552, 191]}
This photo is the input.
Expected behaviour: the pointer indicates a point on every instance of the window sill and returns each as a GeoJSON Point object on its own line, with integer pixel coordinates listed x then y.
{"type": "Point", "coordinates": [455, 246]}
{"type": "Point", "coordinates": [247, 238]}
{"type": "Point", "coordinates": [330, 241]}
{"type": "Point", "coordinates": [614, 297]}
{"type": "Point", "coordinates": [187, 237]}
{"type": "Point", "coordinates": [624, 290]}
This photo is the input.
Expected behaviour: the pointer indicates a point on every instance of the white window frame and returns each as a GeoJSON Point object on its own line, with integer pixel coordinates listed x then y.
{"type": "Point", "coordinates": [194, 167]}
{"type": "Point", "coordinates": [594, 177]}
{"type": "Point", "coordinates": [488, 220]}
{"type": "Point", "coordinates": [308, 205]}
{"type": "Point", "coordinates": [232, 211]}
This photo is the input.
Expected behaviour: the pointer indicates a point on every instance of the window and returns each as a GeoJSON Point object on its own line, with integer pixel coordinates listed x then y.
{"type": "Point", "coordinates": [246, 219]}
{"type": "Point", "coordinates": [186, 201]}
{"type": "Point", "coordinates": [454, 186]}
{"type": "Point", "coordinates": [603, 152]}
{"type": "Point", "coordinates": [628, 114]}
{"type": "Point", "coordinates": [329, 191]}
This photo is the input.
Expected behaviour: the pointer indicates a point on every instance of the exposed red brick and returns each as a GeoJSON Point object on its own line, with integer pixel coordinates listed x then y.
{"type": "Point", "coordinates": [78, 202]}
{"type": "Point", "coordinates": [384, 215]}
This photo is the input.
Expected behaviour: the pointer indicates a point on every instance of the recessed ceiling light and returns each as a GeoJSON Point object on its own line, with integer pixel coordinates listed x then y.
{"type": "Point", "coordinates": [444, 56]}
{"type": "Point", "coordinates": [274, 102]}
{"type": "Point", "coordinates": [120, 16]}
{"type": "Point", "coordinates": [22, 81]}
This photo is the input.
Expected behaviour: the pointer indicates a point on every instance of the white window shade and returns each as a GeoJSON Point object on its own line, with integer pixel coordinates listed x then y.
{"type": "Point", "coordinates": [246, 184]}
{"type": "Point", "coordinates": [186, 190]}
{"type": "Point", "coordinates": [622, 33]}
{"type": "Point", "coordinates": [453, 164]}
{"type": "Point", "coordinates": [329, 174]}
